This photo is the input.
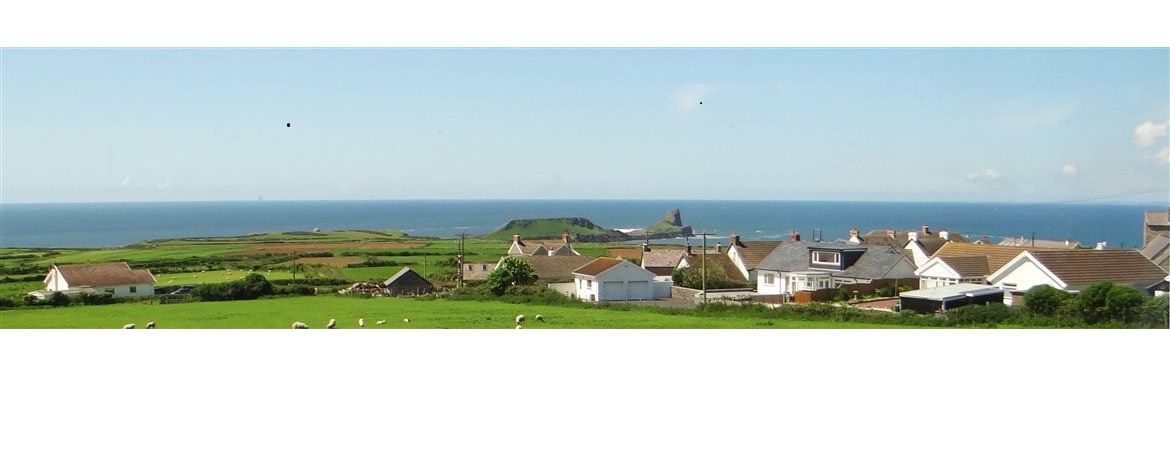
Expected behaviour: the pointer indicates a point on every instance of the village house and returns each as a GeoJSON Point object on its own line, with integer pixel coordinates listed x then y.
{"type": "Point", "coordinates": [747, 256]}
{"type": "Point", "coordinates": [407, 282]}
{"type": "Point", "coordinates": [1156, 238]}
{"type": "Point", "coordinates": [478, 271]}
{"type": "Point", "coordinates": [617, 280]}
{"type": "Point", "coordinates": [520, 248]}
{"type": "Point", "coordinates": [1030, 242]}
{"type": "Point", "coordinates": [1074, 270]}
{"type": "Point", "coordinates": [957, 263]}
{"type": "Point", "coordinates": [813, 266]}
{"type": "Point", "coordinates": [662, 262]}
{"type": "Point", "coordinates": [115, 278]}
{"type": "Point", "coordinates": [919, 245]}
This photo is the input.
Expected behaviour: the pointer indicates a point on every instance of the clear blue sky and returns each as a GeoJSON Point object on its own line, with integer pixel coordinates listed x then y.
{"type": "Point", "coordinates": [834, 124]}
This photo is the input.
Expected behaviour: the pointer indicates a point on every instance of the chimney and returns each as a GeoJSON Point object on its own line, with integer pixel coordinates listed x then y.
{"type": "Point", "coordinates": [913, 236]}
{"type": "Point", "coordinates": [853, 236]}
{"type": "Point", "coordinates": [794, 236]}
{"type": "Point", "coordinates": [645, 246]}
{"type": "Point", "coordinates": [1066, 243]}
{"type": "Point", "coordinates": [565, 237]}
{"type": "Point", "coordinates": [925, 230]}
{"type": "Point", "coordinates": [944, 235]}
{"type": "Point", "coordinates": [688, 248]}
{"type": "Point", "coordinates": [734, 241]}
{"type": "Point", "coordinates": [516, 239]}
{"type": "Point", "coordinates": [892, 233]}
{"type": "Point", "coordinates": [1102, 245]}
{"type": "Point", "coordinates": [718, 247]}
{"type": "Point", "coordinates": [984, 239]}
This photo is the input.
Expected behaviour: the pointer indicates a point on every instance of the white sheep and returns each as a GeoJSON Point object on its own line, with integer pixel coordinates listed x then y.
{"type": "Point", "coordinates": [300, 325]}
{"type": "Point", "coordinates": [361, 322]}
{"type": "Point", "coordinates": [540, 318]}
{"type": "Point", "coordinates": [128, 326]}
{"type": "Point", "coordinates": [380, 322]}
{"type": "Point", "coordinates": [332, 323]}
{"type": "Point", "coordinates": [519, 327]}
{"type": "Point", "coordinates": [407, 320]}
{"type": "Point", "coordinates": [519, 319]}
{"type": "Point", "coordinates": [150, 325]}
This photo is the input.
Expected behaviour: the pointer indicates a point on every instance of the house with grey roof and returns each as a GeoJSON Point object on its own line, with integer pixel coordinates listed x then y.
{"type": "Point", "coordinates": [812, 266]}
{"type": "Point", "coordinates": [919, 245]}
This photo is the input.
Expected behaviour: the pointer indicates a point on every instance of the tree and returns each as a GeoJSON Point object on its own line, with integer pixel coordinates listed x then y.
{"type": "Point", "coordinates": [1090, 304]}
{"type": "Point", "coordinates": [512, 271]}
{"type": "Point", "coordinates": [1155, 312]}
{"type": "Point", "coordinates": [1044, 300]}
{"type": "Point", "coordinates": [1123, 304]}
{"type": "Point", "coordinates": [692, 277]}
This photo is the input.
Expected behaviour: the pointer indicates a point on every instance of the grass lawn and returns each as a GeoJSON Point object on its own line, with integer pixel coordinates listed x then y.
{"type": "Point", "coordinates": [434, 314]}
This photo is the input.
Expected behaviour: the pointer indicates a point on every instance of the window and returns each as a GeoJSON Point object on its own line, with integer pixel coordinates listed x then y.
{"type": "Point", "coordinates": [1009, 285]}
{"type": "Point", "coordinates": [588, 284]}
{"type": "Point", "coordinates": [826, 257]}
{"type": "Point", "coordinates": [133, 289]}
{"type": "Point", "coordinates": [769, 278]}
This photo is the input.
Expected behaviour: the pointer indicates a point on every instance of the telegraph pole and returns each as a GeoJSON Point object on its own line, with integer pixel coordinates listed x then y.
{"type": "Point", "coordinates": [459, 256]}
{"type": "Point", "coordinates": [704, 266]}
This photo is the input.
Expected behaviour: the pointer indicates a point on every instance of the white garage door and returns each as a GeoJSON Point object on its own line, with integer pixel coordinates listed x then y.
{"type": "Point", "coordinates": [640, 290]}
{"type": "Point", "coordinates": [613, 290]}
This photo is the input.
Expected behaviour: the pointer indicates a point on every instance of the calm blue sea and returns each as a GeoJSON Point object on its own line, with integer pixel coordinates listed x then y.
{"type": "Point", "coordinates": [117, 224]}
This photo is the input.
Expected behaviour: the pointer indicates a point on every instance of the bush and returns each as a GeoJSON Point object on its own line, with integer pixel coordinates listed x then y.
{"type": "Point", "coordinates": [991, 313]}
{"type": "Point", "coordinates": [96, 298]}
{"type": "Point", "coordinates": [250, 287]}
{"type": "Point", "coordinates": [6, 302]}
{"type": "Point", "coordinates": [1044, 300]}
{"type": "Point", "coordinates": [58, 299]}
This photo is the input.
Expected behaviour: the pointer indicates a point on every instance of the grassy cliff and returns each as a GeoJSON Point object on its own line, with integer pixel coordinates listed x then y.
{"type": "Point", "coordinates": [549, 228]}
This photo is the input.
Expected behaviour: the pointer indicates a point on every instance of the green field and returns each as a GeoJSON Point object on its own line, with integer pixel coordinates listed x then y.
{"type": "Point", "coordinates": [424, 314]}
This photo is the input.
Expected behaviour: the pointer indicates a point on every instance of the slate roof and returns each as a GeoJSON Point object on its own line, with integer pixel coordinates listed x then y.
{"type": "Point", "coordinates": [556, 268]}
{"type": "Point", "coordinates": [1081, 268]}
{"type": "Point", "coordinates": [109, 274]}
{"type": "Point", "coordinates": [877, 262]}
{"type": "Point", "coordinates": [597, 266]}
{"type": "Point", "coordinates": [930, 245]}
{"type": "Point", "coordinates": [401, 273]}
{"type": "Point", "coordinates": [1158, 250]}
{"type": "Point", "coordinates": [751, 253]}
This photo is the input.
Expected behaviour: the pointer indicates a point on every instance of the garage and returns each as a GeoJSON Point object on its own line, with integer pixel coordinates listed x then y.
{"type": "Point", "coordinates": [613, 290]}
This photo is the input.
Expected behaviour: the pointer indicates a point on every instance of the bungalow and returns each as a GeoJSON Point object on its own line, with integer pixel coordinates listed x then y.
{"type": "Point", "coordinates": [956, 263]}
{"type": "Point", "coordinates": [714, 259]}
{"type": "Point", "coordinates": [407, 282]}
{"type": "Point", "coordinates": [116, 278]}
{"type": "Point", "coordinates": [1074, 270]}
{"type": "Point", "coordinates": [556, 269]}
{"type": "Point", "coordinates": [747, 255]}
{"type": "Point", "coordinates": [813, 266]}
{"type": "Point", "coordinates": [662, 262]}
{"type": "Point", "coordinates": [610, 280]}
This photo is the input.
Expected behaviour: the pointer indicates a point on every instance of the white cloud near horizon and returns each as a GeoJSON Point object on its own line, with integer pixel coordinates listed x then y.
{"type": "Point", "coordinates": [1146, 133]}
{"type": "Point", "coordinates": [1068, 169]}
{"type": "Point", "coordinates": [1051, 116]}
{"type": "Point", "coordinates": [984, 175]}
{"type": "Point", "coordinates": [687, 98]}
{"type": "Point", "coordinates": [1163, 155]}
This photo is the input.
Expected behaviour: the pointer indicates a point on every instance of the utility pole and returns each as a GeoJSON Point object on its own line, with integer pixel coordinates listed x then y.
{"type": "Point", "coordinates": [704, 266]}
{"type": "Point", "coordinates": [459, 256]}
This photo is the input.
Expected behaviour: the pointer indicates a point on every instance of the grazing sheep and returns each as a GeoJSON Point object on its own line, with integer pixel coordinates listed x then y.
{"type": "Point", "coordinates": [519, 327]}
{"type": "Point", "coordinates": [361, 322]}
{"type": "Point", "coordinates": [150, 325]}
{"type": "Point", "coordinates": [332, 324]}
{"type": "Point", "coordinates": [407, 320]}
{"type": "Point", "coordinates": [383, 321]}
{"type": "Point", "coordinates": [300, 325]}
{"type": "Point", "coordinates": [540, 318]}
{"type": "Point", "coordinates": [128, 326]}
{"type": "Point", "coordinates": [519, 319]}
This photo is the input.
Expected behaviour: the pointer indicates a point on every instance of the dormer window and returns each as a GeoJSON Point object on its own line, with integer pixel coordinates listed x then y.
{"type": "Point", "coordinates": [826, 258]}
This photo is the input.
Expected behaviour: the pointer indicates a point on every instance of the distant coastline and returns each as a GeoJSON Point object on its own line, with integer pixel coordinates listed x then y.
{"type": "Point", "coordinates": [89, 224]}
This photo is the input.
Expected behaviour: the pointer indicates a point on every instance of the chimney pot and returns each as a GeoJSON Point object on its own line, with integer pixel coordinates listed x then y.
{"type": "Point", "coordinates": [515, 238]}
{"type": "Point", "coordinates": [688, 249]}
{"type": "Point", "coordinates": [925, 230]}
{"type": "Point", "coordinates": [734, 241]}
{"type": "Point", "coordinates": [718, 247]}
{"type": "Point", "coordinates": [565, 237]}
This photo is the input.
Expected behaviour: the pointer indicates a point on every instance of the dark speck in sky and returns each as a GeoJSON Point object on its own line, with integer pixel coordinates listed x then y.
{"type": "Point", "coordinates": [288, 125]}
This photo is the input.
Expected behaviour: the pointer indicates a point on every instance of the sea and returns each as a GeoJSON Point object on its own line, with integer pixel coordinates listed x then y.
{"type": "Point", "coordinates": [94, 225]}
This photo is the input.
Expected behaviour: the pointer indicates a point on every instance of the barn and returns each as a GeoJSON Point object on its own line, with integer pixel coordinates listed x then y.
{"type": "Point", "coordinates": [408, 282]}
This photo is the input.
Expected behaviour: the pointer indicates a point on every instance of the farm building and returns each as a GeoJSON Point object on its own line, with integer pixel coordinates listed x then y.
{"type": "Point", "coordinates": [407, 282]}
{"type": "Point", "coordinates": [115, 278]}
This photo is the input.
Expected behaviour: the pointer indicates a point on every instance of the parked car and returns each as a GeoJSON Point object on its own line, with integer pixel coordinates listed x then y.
{"type": "Point", "coordinates": [184, 289]}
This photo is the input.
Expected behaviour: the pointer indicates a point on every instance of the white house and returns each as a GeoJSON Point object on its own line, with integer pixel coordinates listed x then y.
{"type": "Point", "coordinates": [747, 256]}
{"type": "Point", "coordinates": [810, 266]}
{"type": "Point", "coordinates": [116, 278]}
{"type": "Point", "coordinates": [610, 280]}
{"type": "Point", "coordinates": [1074, 270]}
{"type": "Point", "coordinates": [957, 263]}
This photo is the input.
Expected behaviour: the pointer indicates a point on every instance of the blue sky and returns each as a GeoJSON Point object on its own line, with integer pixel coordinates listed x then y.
{"type": "Point", "coordinates": [1029, 125]}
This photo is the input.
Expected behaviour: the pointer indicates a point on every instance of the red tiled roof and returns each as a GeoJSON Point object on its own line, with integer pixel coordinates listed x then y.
{"type": "Point", "coordinates": [751, 253]}
{"type": "Point", "coordinates": [597, 266]}
{"type": "Point", "coordinates": [110, 274]}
